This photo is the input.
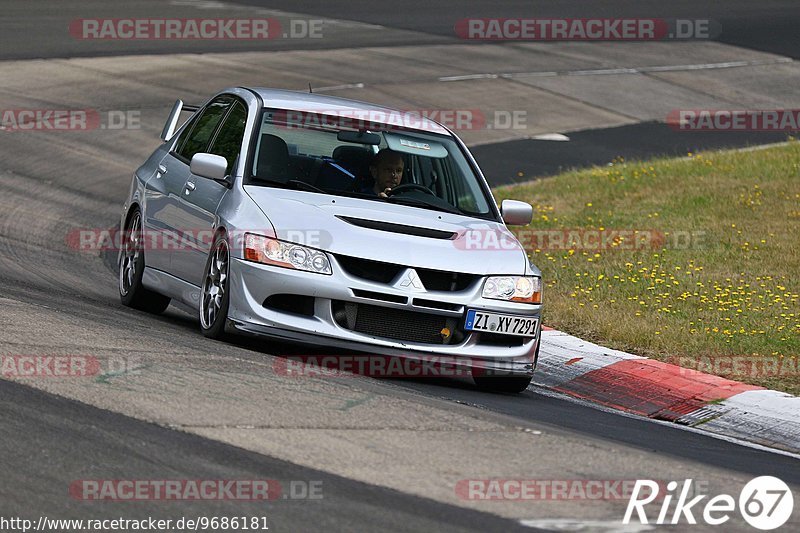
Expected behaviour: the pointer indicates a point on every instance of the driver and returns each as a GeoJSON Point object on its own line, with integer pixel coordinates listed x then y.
{"type": "Point", "coordinates": [387, 171]}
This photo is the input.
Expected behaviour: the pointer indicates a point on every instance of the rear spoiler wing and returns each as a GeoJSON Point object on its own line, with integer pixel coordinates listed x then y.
{"type": "Point", "coordinates": [172, 121]}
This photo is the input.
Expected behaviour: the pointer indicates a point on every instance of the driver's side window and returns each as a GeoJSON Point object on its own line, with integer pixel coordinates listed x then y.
{"type": "Point", "coordinates": [228, 141]}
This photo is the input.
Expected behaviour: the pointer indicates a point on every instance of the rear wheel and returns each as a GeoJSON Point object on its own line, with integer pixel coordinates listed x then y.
{"type": "Point", "coordinates": [215, 295]}
{"type": "Point", "coordinates": [131, 268]}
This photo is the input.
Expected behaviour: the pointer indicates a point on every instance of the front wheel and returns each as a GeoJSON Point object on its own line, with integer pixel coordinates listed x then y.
{"type": "Point", "coordinates": [132, 292]}
{"type": "Point", "coordinates": [215, 296]}
{"type": "Point", "coordinates": [513, 384]}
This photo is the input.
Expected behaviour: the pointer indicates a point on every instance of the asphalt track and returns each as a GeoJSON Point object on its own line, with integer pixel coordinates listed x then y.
{"type": "Point", "coordinates": [525, 159]}
{"type": "Point", "coordinates": [50, 442]}
{"type": "Point", "coordinates": [768, 25]}
{"type": "Point", "coordinates": [388, 452]}
{"type": "Point", "coordinates": [37, 29]}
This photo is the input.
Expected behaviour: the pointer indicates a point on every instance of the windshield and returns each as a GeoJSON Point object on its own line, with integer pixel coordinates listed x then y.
{"type": "Point", "coordinates": [321, 153]}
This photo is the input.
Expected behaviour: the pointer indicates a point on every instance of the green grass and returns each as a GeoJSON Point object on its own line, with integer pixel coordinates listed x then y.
{"type": "Point", "coordinates": [717, 291]}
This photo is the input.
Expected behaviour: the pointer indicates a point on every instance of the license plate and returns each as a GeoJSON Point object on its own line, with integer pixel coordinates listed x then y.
{"type": "Point", "coordinates": [523, 326]}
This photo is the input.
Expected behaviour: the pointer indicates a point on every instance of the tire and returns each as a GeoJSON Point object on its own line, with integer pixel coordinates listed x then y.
{"type": "Point", "coordinates": [512, 384]}
{"type": "Point", "coordinates": [131, 269]}
{"type": "Point", "coordinates": [215, 294]}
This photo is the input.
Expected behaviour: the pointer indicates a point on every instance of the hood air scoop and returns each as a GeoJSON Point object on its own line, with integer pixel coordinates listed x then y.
{"type": "Point", "coordinates": [398, 228]}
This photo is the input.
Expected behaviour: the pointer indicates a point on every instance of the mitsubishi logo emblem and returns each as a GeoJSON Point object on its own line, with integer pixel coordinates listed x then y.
{"type": "Point", "coordinates": [410, 280]}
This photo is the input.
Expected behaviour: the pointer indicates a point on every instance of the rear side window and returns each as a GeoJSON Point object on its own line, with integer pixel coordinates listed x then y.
{"type": "Point", "coordinates": [228, 141]}
{"type": "Point", "coordinates": [185, 133]}
{"type": "Point", "coordinates": [203, 128]}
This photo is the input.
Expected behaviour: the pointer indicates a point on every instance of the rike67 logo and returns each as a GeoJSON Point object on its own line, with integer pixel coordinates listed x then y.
{"type": "Point", "coordinates": [765, 503]}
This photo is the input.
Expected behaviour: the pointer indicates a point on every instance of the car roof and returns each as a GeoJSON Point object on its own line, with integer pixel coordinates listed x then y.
{"type": "Point", "coordinates": [319, 103]}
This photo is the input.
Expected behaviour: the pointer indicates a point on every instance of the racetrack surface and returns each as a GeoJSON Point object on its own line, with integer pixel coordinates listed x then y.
{"type": "Point", "coordinates": [86, 441]}
{"type": "Point", "coordinates": [418, 438]}
{"type": "Point", "coordinates": [171, 404]}
{"type": "Point", "coordinates": [412, 59]}
{"type": "Point", "coordinates": [766, 25]}
{"type": "Point", "coordinates": [525, 159]}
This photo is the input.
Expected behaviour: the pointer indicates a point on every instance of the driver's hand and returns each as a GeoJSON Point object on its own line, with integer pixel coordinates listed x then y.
{"type": "Point", "coordinates": [385, 193]}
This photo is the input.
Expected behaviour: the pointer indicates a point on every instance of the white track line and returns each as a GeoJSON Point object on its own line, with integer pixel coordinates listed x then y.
{"type": "Point", "coordinates": [617, 71]}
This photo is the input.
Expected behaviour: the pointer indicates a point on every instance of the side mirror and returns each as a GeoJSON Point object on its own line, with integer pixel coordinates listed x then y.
{"type": "Point", "coordinates": [172, 121]}
{"type": "Point", "coordinates": [516, 213]}
{"type": "Point", "coordinates": [213, 167]}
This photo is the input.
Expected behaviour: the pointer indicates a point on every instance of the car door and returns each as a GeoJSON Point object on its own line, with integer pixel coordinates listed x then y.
{"type": "Point", "coordinates": [165, 218]}
{"type": "Point", "coordinates": [202, 196]}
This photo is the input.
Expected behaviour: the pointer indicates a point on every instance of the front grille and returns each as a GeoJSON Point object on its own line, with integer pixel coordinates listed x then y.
{"type": "Point", "coordinates": [380, 296]}
{"type": "Point", "coordinates": [437, 280]}
{"type": "Point", "coordinates": [397, 324]}
{"type": "Point", "coordinates": [435, 304]}
{"type": "Point", "coordinates": [369, 270]}
{"type": "Point", "coordinates": [433, 280]}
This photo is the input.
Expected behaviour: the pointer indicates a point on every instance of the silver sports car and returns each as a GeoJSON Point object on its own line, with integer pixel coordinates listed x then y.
{"type": "Point", "coordinates": [335, 223]}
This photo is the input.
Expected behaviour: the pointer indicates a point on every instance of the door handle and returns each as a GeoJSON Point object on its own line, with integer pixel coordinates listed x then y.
{"type": "Point", "coordinates": [190, 186]}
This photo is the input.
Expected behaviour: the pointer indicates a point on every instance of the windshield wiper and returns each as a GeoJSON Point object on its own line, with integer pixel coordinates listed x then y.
{"type": "Point", "coordinates": [418, 202]}
{"type": "Point", "coordinates": [300, 184]}
{"type": "Point", "coordinates": [297, 184]}
{"type": "Point", "coordinates": [404, 200]}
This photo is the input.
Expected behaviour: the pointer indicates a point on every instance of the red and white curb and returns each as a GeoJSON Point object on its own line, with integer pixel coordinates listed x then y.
{"type": "Point", "coordinates": [668, 392]}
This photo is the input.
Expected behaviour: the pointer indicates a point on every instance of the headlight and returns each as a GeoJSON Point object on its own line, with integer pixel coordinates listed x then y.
{"type": "Point", "coordinates": [526, 289]}
{"type": "Point", "coordinates": [285, 254]}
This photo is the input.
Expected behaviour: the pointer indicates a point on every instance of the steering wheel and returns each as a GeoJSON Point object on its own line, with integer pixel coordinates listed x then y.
{"type": "Point", "coordinates": [411, 187]}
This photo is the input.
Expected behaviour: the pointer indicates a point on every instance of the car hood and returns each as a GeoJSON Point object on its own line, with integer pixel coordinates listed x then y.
{"type": "Point", "coordinates": [391, 233]}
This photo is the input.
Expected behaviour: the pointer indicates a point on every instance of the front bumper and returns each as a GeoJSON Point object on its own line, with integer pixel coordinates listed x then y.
{"type": "Point", "coordinates": [251, 284]}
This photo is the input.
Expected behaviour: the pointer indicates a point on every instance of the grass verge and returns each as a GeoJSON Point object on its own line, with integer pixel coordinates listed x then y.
{"type": "Point", "coordinates": [694, 261]}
